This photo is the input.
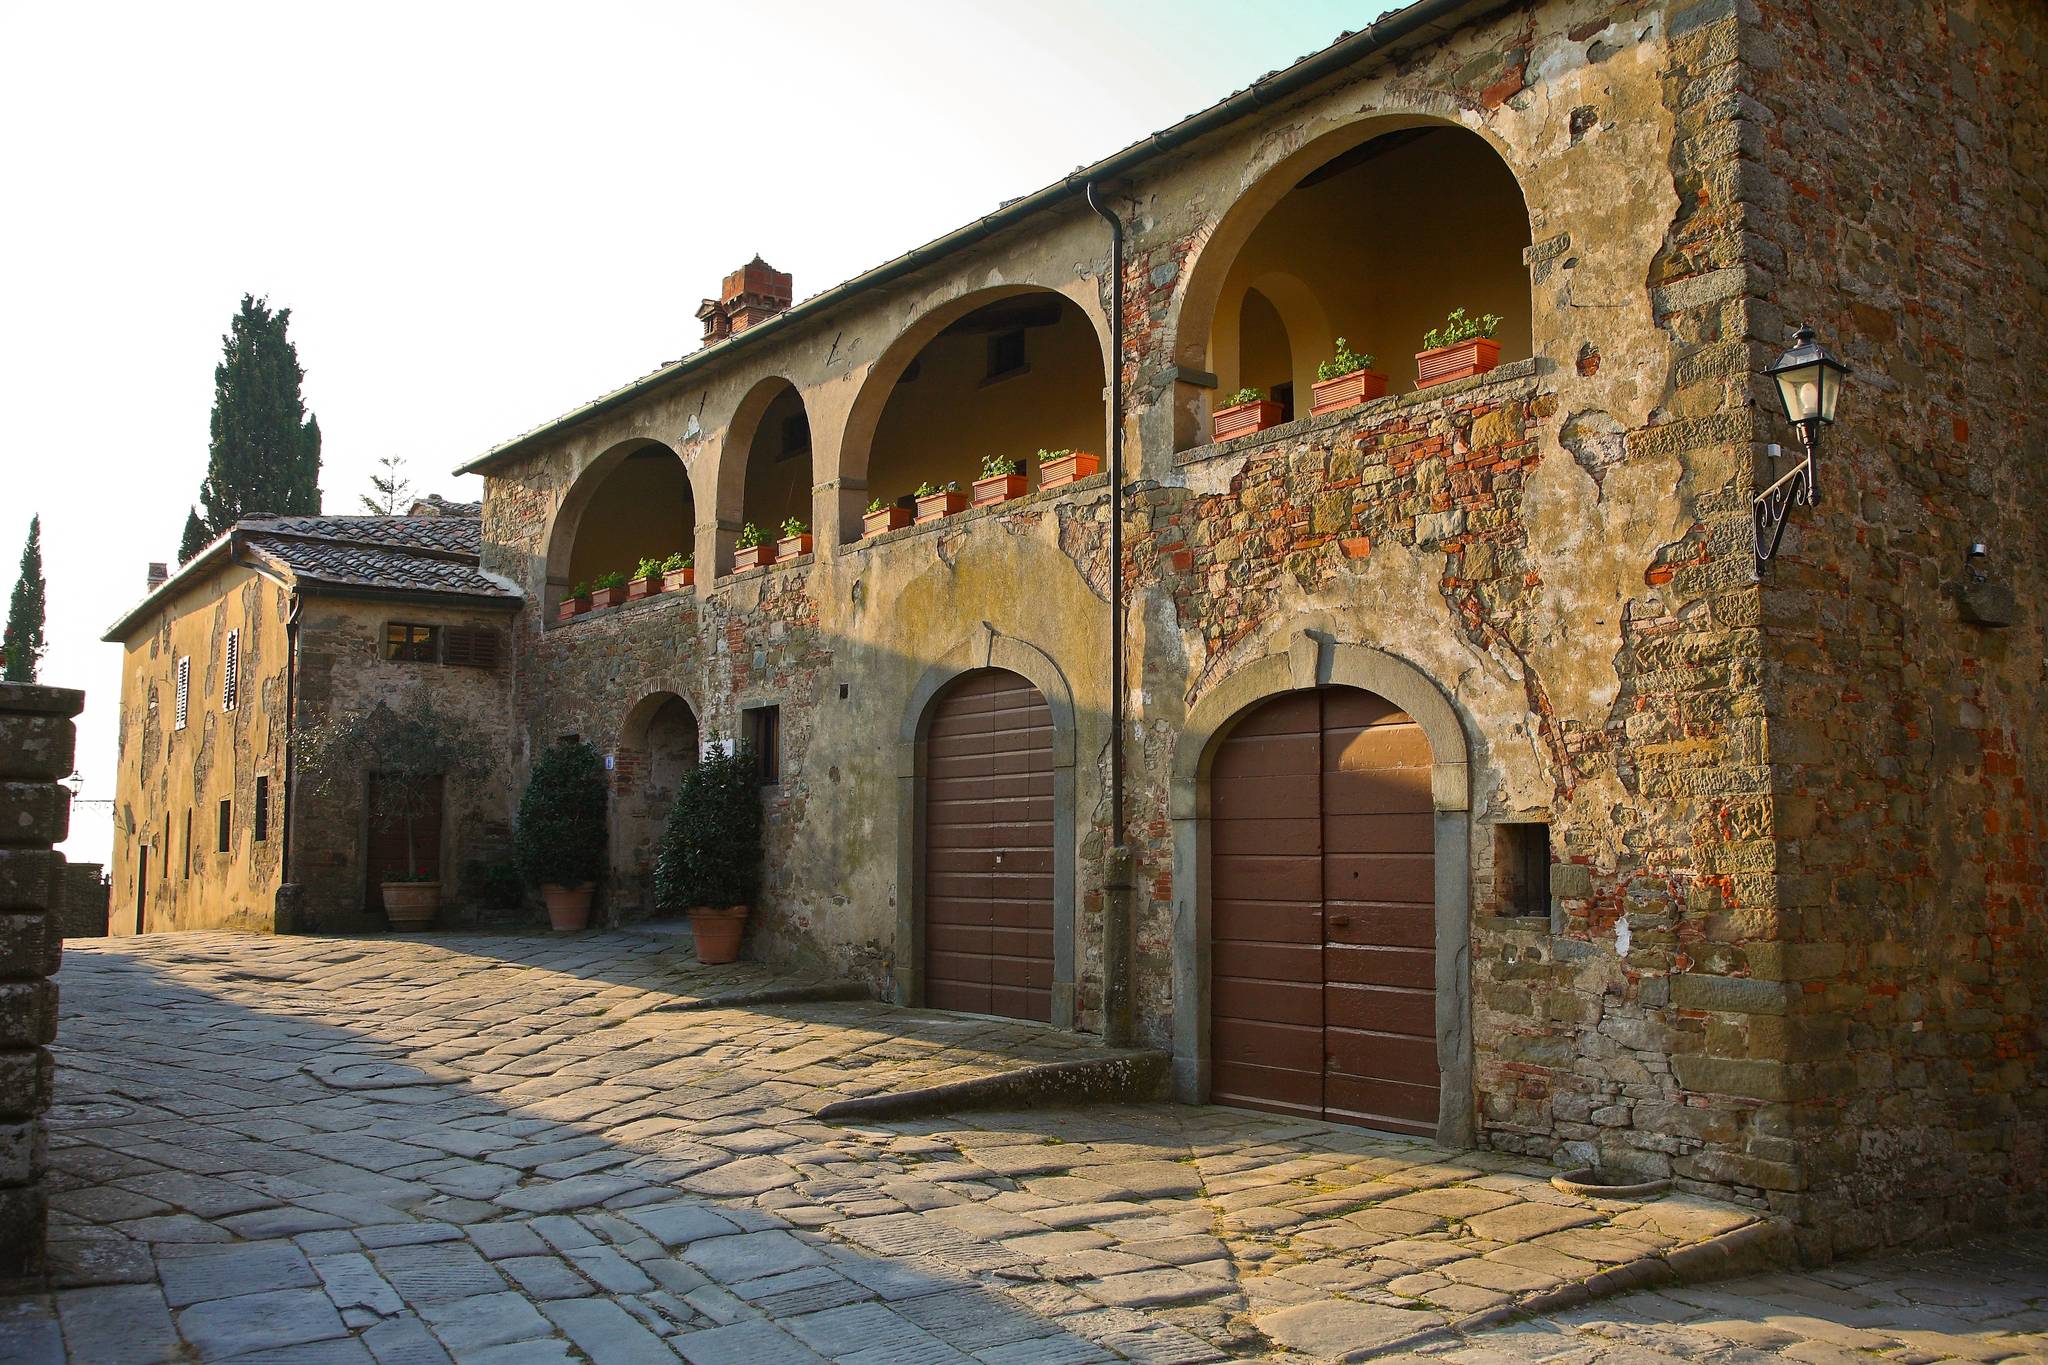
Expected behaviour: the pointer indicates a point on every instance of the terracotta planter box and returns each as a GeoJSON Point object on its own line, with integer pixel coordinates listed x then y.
{"type": "Point", "coordinates": [718, 933]}
{"type": "Point", "coordinates": [572, 606]}
{"type": "Point", "coordinates": [1461, 361]}
{"type": "Point", "coordinates": [607, 597]}
{"type": "Point", "coordinates": [678, 578]}
{"type": "Point", "coordinates": [888, 519]}
{"type": "Point", "coordinates": [638, 588]}
{"type": "Point", "coordinates": [1346, 391]}
{"type": "Point", "coordinates": [792, 547]}
{"type": "Point", "coordinates": [1065, 469]}
{"type": "Point", "coordinates": [940, 505]}
{"type": "Point", "coordinates": [1246, 418]}
{"type": "Point", "coordinates": [1001, 488]}
{"type": "Point", "coordinates": [411, 906]}
{"type": "Point", "coordinates": [752, 557]}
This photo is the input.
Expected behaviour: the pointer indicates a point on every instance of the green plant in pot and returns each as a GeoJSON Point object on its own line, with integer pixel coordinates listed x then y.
{"type": "Point", "coordinates": [1246, 410]}
{"type": "Point", "coordinates": [753, 548]}
{"type": "Point", "coordinates": [646, 579]}
{"type": "Point", "coordinates": [1002, 478]}
{"type": "Point", "coordinates": [708, 865]}
{"type": "Point", "coordinates": [1345, 380]}
{"type": "Point", "coordinates": [1462, 347]}
{"type": "Point", "coordinates": [796, 539]}
{"type": "Point", "coordinates": [407, 755]}
{"type": "Point", "coordinates": [560, 840]}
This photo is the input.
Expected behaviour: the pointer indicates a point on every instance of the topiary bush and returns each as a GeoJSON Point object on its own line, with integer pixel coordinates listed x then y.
{"type": "Point", "coordinates": [710, 852]}
{"type": "Point", "coordinates": [561, 835]}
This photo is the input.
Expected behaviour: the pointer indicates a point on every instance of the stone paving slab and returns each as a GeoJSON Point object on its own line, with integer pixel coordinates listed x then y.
{"type": "Point", "coordinates": [509, 1148]}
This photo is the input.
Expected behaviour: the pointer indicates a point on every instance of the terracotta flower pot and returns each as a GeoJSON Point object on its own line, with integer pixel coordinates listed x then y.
{"type": "Point", "coordinates": [1001, 488]}
{"type": "Point", "coordinates": [678, 578]}
{"type": "Point", "coordinates": [568, 906]}
{"type": "Point", "coordinates": [572, 606]}
{"type": "Point", "coordinates": [718, 932]}
{"type": "Point", "coordinates": [1346, 391]}
{"type": "Point", "coordinates": [1062, 470]}
{"type": "Point", "coordinates": [888, 519]}
{"type": "Point", "coordinates": [608, 597]}
{"type": "Point", "coordinates": [643, 587]}
{"type": "Point", "coordinates": [1246, 418]}
{"type": "Point", "coordinates": [939, 505]}
{"type": "Point", "coordinates": [1461, 361]}
{"type": "Point", "coordinates": [752, 557]}
{"type": "Point", "coordinates": [411, 906]}
{"type": "Point", "coordinates": [792, 547]}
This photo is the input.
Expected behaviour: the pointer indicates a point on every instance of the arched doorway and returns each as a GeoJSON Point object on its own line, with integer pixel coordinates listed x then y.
{"type": "Point", "coordinates": [988, 848]}
{"type": "Point", "coordinates": [1322, 918]}
{"type": "Point", "coordinates": [657, 745]}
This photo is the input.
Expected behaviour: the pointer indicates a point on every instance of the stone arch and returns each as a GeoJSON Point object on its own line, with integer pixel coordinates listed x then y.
{"type": "Point", "coordinates": [1410, 268]}
{"type": "Point", "coordinates": [658, 742]}
{"type": "Point", "coordinates": [1313, 659]}
{"type": "Point", "coordinates": [640, 476]}
{"type": "Point", "coordinates": [985, 648]}
{"type": "Point", "coordinates": [764, 471]}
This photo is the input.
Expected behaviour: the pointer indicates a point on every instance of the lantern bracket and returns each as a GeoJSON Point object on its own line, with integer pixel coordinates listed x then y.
{"type": "Point", "coordinates": [1796, 487]}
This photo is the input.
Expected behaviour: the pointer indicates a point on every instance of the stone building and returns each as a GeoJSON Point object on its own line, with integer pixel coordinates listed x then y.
{"type": "Point", "coordinates": [287, 621]}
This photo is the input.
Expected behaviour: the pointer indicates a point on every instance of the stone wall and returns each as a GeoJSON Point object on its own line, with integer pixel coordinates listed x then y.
{"type": "Point", "coordinates": [85, 901]}
{"type": "Point", "coordinates": [36, 744]}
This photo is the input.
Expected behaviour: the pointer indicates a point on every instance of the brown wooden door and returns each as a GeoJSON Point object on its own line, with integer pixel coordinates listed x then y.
{"type": "Point", "coordinates": [988, 849]}
{"type": "Point", "coordinates": [1322, 913]}
{"type": "Point", "coordinates": [386, 854]}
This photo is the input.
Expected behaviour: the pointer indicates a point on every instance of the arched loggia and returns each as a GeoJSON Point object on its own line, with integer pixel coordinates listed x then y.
{"type": "Point", "coordinates": [764, 476]}
{"type": "Point", "coordinates": [633, 502]}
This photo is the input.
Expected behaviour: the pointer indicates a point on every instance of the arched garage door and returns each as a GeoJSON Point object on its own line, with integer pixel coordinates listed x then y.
{"type": "Point", "coordinates": [988, 900]}
{"type": "Point", "coordinates": [1322, 919]}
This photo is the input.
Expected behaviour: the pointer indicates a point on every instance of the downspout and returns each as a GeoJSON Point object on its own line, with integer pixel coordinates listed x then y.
{"type": "Point", "coordinates": [1116, 889]}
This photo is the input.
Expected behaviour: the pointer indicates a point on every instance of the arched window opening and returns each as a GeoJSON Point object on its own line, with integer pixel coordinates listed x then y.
{"type": "Point", "coordinates": [778, 484]}
{"type": "Point", "coordinates": [1376, 245]}
{"type": "Point", "coordinates": [632, 503]}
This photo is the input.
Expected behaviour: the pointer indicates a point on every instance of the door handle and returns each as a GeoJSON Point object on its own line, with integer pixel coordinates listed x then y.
{"type": "Point", "coordinates": [1339, 921]}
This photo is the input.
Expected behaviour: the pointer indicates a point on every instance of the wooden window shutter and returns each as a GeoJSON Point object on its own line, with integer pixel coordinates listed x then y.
{"type": "Point", "coordinates": [184, 702]}
{"type": "Point", "coordinates": [231, 673]}
{"type": "Point", "coordinates": [469, 647]}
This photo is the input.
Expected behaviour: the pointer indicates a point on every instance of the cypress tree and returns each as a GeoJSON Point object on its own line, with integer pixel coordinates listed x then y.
{"type": "Point", "coordinates": [195, 537]}
{"type": "Point", "coordinates": [265, 451]}
{"type": "Point", "coordinates": [21, 648]}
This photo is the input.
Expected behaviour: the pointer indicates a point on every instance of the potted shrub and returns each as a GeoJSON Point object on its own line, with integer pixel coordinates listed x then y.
{"type": "Point", "coordinates": [1243, 412]}
{"type": "Point", "coordinates": [646, 580]}
{"type": "Point", "coordinates": [753, 549]}
{"type": "Point", "coordinates": [1000, 481]}
{"type": "Point", "coordinates": [608, 589]}
{"type": "Point", "coordinates": [560, 839]}
{"type": "Point", "coordinates": [412, 752]}
{"type": "Point", "coordinates": [709, 862]}
{"type": "Point", "coordinates": [1058, 468]}
{"type": "Point", "coordinates": [935, 501]}
{"type": "Point", "coordinates": [796, 540]}
{"type": "Point", "coordinates": [678, 571]}
{"type": "Point", "coordinates": [575, 603]}
{"type": "Point", "coordinates": [1345, 380]}
{"type": "Point", "coordinates": [1462, 347]}
{"type": "Point", "coordinates": [880, 517]}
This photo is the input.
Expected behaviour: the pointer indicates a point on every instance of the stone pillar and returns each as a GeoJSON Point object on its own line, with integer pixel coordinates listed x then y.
{"type": "Point", "coordinates": [36, 740]}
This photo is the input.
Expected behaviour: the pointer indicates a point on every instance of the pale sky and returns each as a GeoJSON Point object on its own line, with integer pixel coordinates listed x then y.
{"type": "Point", "coordinates": [481, 215]}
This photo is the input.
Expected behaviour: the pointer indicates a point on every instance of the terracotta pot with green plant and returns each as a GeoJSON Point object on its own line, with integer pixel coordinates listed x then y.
{"type": "Point", "coordinates": [677, 571]}
{"type": "Point", "coordinates": [795, 542]}
{"type": "Point", "coordinates": [1244, 412]}
{"type": "Point", "coordinates": [560, 839]}
{"type": "Point", "coordinates": [1462, 347]}
{"type": "Point", "coordinates": [709, 863]}
{"type": "Point", "coordinates": [410, 753]}
{"type": "Point", "coordinates": [938, 501]}
{"type": "Point", "coordinates": [1058, 468]}
{"type": "Point", "coordinates": [882, 517]}
{"type": "Point", "coordinates": [753, 549]}
{"type": "Point", "coordinates": [646, 580]}
{"type": "Point", "coordinates": [1345, 380]}
{"type": "Point", "coordinates": [608, 589]}
{"type": "Point", "coordinates": [1001, 479]}
{"type": "Point", "coordinates": [575, 602]}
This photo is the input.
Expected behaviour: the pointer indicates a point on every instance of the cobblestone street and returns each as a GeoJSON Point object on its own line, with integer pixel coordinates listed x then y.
{"type": "Point", "coordinates": [505, 1148]}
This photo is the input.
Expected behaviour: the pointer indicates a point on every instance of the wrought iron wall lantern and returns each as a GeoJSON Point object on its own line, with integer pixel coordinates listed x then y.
{"type": "Point", "coordinates": [1809, 382]}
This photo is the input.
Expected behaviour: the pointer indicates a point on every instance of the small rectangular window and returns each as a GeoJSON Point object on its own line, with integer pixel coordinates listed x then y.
{"type": "Point", "coordinates": [1525, 868]}
{"type": "Point", "coordinates": [262, 830]}
{"type": "Point", "coordinates": [1006, 354]}
{"type": "Point", "coordinates": [409, 643]}
{"type": "Point", "coordinates": [231, 672]}
{"type": "Point", "coordinates": [227, 825]}
{"type": "Point", "coordinates": [469, 647]}
{"type": "Point", "coordinates": [184, 703]}
{"type": "Point", "coordinates": [764, 737]}
{"type": "Point", "coordinates": [796, 436]}
{"type": "Point", "coordinates": [188, 842]}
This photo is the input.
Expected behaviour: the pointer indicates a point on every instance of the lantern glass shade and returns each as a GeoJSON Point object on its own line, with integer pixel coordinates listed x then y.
{"type": "Point", "coordinates": [1809, 380]}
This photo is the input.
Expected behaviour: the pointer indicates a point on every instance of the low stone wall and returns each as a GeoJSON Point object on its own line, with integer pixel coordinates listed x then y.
{"type": "Point", "coordinates": [36, 739]}
{"type": "Point", "coordinates": [83, 908]}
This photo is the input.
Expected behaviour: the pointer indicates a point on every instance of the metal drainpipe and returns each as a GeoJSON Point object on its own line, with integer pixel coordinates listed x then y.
{"type": "Point", "coordinates": [1116, 890]}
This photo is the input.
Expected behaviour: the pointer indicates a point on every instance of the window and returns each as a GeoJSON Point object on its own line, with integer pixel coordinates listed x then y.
{"type": "Point", "coordinates": [231, 672]}
{"type": "Point", "coordinates": [409, 644]}
{"type": "Point", "coordinates": [763, 728]}
{"type": "Point", "coordinates": [1525, 869]}
{"type": "Point", "coordinates": [262, 809]}
{"type": "Point", "coordinates": [1006, 354]}
{"type": "Point", "coordinates": [188, 842]}
{"type": "Point", "coordinates": [796, 436]}
{"type": "Point", "coordinates": [227, 824]}
{"type": "Point", "coordinates": [184, 706]}
{"type": "Point", "coordinates": [469, 647]}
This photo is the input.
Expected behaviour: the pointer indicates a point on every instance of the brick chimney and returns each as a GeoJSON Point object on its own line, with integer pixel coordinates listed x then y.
{"type": "Point", "coordinates": [753, 293]}
{"type": "Point", "coordinates": [157, 574]}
